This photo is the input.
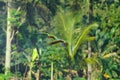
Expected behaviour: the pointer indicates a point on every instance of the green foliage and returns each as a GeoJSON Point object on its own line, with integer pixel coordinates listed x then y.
{"type": "Point", "coordinates": [2, 76]}
{"type": "Point", "coordinates": [70, 29]}
{"type": "Point", "coordinates": [35, 54]}
{"type": "Point", "coordinates": [64, 23]}
{"type": "Point", "coordinates": [79, 79]}
{"type": "Point", "coordinates": [52, 54]}
{"type": "Point", "coordinates": [108, 22]}
{"type": "Point", "coordinates": [7, 77]}
{"type": "Point", "coordinates": [15, 17]}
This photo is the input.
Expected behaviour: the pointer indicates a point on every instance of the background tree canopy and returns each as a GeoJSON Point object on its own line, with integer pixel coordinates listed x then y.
{"type": "Point", "coordinates": [59, 39]}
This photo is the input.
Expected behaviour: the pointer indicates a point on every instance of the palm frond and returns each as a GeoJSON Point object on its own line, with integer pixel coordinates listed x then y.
{"type": "Point", "coordinates": [56, 41]}
{"type": "Point", "coordinates": [83, 37]}
{"type": "Point", "coordinates": [64, 24]}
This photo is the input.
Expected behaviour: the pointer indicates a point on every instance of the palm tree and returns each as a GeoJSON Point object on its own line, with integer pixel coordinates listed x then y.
{"type": "Point", "coordinates": [65, 28]}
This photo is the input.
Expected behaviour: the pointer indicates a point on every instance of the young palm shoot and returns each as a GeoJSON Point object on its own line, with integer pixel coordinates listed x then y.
{"type": "Point", "coordinates": [64, 23]}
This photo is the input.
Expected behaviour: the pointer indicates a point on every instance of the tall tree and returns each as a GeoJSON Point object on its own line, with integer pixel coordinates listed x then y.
{"type": "Point", "coordinates": [9, 37]}
{"type": "Point", "coordinates": [12, 25]}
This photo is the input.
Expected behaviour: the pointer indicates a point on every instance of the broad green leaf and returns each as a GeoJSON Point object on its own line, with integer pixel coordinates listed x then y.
{"type": "Point", "coordinates": [34, 54]}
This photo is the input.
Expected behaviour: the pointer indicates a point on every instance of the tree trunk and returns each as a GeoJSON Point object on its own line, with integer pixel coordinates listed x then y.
{"type": "Point", "coordinates": [89, 64]}
{"type": "Point", "coordinates": [89, 43]}
{"type": "Point", "coordinates": [8, 42]}
{"type": "Point", "coordinates": [51, 70]}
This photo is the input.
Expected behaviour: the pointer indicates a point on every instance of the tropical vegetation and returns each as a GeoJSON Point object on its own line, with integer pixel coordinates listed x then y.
{"type": "Point", "coordinates": [59, 40]}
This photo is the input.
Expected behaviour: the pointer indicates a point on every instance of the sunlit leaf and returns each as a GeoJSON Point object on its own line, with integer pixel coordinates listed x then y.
{"type": "Point", "coordinates": [109, 55]}
{"type": "Point", "coordinates": [91, 38]}
{"type": "Point", "coordinates": [106, 75]}
{"type": "Point", "coordinates": [34, 54]}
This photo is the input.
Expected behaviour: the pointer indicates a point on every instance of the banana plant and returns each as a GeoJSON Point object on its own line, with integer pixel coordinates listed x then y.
{"type": "Point", "coordinates": [31, 60]}
{"type": "Point", "coordinates": [65, 26]}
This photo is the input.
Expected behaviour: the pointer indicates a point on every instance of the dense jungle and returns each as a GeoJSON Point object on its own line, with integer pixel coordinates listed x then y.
{"type": "Point", "coordinates": [59, 39]}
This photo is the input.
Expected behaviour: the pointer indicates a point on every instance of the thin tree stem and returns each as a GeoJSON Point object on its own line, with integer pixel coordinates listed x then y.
{"type": "Point", "coordinates": [51, 70]}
